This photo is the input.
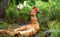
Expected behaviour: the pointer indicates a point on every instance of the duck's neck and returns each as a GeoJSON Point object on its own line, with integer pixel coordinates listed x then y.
{"type": "Point", "coordinates": [34, 19]}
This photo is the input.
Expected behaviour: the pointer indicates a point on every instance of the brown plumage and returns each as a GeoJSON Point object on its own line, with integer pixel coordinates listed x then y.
{"type": "Point", "coordinates": [29, 30]}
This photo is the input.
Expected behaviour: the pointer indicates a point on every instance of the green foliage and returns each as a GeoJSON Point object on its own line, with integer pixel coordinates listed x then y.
{"type": "Point", "coordinates": [25, 15]}
{"type": "Point", "coordinates": [12, 12]}
{"type": "Point", "coordinates": [3, 25]}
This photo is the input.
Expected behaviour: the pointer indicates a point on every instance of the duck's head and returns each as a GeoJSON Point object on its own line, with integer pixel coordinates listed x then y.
{"type": "Point", "coordinates": [35, 11]}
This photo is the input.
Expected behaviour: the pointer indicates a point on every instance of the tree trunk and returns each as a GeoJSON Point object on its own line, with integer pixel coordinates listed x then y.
{"type": "Point", "coordinates": [3, 5]}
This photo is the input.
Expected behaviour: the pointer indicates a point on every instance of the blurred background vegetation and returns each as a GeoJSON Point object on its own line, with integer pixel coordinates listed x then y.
{"type": "Point", "coordinates": [50, 15]}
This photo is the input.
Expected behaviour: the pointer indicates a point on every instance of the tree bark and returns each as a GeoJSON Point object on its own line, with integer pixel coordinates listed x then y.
{"type": "Point", "coordinates": [3, 5]}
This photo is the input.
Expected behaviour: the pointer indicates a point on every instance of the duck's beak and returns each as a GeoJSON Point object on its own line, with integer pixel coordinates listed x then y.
{"type": "Point", "coordinates": [40, 12]}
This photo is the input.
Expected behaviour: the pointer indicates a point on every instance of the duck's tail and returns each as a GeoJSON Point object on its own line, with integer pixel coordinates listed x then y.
{"type": "Point", "coordinates": [5, 32]}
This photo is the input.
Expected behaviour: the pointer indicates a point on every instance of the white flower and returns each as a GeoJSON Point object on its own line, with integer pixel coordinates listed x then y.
{"type": "Point", "coordinates": [25, 3]}
{"type": "Point", "coordinates": [20, 6]}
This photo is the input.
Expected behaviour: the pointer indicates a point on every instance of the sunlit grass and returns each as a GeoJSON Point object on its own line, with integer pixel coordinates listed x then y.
{"type": "Point", "coordinates": [55, 28]}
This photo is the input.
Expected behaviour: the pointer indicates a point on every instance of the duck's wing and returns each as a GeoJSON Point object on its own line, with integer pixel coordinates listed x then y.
{"type": "Point", "coordinates": [28, 33]}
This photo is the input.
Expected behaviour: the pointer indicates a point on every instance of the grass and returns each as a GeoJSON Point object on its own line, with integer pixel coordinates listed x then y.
{"type": "Point", "coordinates": [55, 28]}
